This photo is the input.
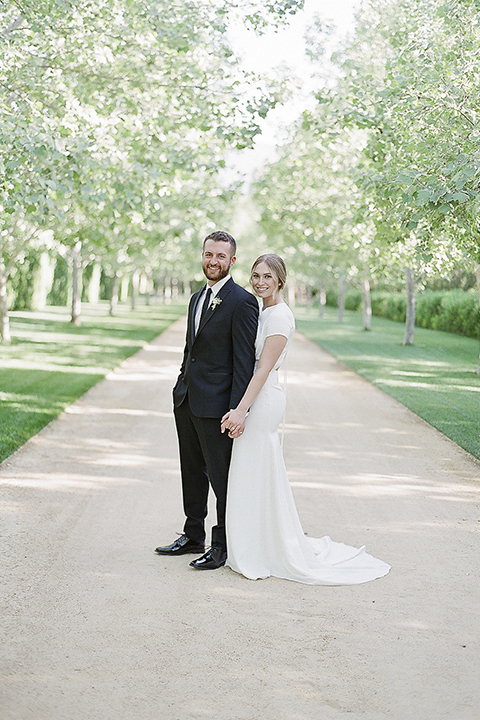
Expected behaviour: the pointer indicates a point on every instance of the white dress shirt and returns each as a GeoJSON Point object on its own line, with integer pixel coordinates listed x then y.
{"type": "Point", "coordinates": [215, 290]}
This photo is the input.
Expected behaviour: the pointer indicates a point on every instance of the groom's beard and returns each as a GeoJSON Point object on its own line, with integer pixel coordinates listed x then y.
{"type": "Point", "coordinates": [215, 274]}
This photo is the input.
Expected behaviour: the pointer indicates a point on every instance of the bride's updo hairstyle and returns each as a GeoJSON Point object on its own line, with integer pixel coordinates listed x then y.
{"type": "Point", "coordinates": [275, 264]}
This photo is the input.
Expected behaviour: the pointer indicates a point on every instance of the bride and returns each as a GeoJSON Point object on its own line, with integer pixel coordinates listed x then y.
{"type": "Point", "coordinates": [264, 534]}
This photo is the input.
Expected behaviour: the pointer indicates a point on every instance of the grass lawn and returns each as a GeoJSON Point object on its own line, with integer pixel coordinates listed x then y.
{"type": "Point", "coordinates": [50, 362]}
{"type": "Point", "coordinates": [435, 377]}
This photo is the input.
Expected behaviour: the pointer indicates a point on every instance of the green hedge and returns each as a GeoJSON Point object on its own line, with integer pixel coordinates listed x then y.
{"type": "Point", "coordinates": [389, 305]}
{"type": "Point", "coordinates": [455, 311]}
{"type": "Point", "coordinates": [353, 299]}
{"type": "Point", "coordinates": [58, 294]}
{"type": "Point", "coordinates": [21, 282]}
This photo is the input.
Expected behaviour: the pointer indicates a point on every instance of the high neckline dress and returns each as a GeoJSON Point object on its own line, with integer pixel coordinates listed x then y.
{"type": "Point", "coordinates": [264, 534]}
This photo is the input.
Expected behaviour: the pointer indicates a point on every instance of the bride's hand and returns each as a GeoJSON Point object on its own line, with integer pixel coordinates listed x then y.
{"type": "Point", "coordinates": [234, 422]}
{"type": "Point", "coordinates": [237, 432]}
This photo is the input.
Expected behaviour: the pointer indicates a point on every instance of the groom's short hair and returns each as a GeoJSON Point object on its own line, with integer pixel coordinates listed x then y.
{"type": "Point", "coordinates": [222, 236]}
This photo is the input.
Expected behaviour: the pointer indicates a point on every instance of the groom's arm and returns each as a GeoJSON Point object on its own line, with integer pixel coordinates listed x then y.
{"type": "Point", "coordinates": [191, 307]}
{"type": "Point", "coordinates": [244, 333]}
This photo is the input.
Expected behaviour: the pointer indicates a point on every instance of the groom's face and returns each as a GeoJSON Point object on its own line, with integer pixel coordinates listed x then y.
{"type": "Point", "coordinates": [217, 259]}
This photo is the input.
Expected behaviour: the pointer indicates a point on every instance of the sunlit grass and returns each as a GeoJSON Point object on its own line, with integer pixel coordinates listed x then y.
{"type": "Point", "coordinates": [50, 362]}
{"type": "Point", "coordinates": [435, 377]}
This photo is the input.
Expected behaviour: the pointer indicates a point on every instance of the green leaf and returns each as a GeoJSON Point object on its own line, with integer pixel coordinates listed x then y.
{"type": "Point", "coordinates": [424, 195]}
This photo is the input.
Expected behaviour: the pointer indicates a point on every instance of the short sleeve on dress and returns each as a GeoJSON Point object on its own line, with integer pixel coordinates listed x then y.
{"type": "Point", "coordinates": [280, 324]}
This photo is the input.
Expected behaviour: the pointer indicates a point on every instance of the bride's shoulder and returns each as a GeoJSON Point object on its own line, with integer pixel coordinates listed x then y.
{"type": "Point", "coordinates": [280, 314]}
{"type": "Point", "coordinates": [283, 308]}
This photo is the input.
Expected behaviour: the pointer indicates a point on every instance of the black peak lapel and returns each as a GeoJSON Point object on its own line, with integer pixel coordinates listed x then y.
{"type": "Point", "coordinates": [226, 289]}
{"type": "Point", "coordinates": [216, 303]}
{"type": "Point", "coordinates": [193, 312]}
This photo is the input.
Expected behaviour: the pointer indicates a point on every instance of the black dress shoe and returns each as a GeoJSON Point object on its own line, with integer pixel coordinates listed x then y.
{"type": "Point", "coordinates": [182, 546]}
{"type": "Point", "coordinates": [213, 559]}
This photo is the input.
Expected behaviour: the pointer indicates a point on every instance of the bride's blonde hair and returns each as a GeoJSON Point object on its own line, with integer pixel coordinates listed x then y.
{"type": "Point", "coordinates": [275, 264]}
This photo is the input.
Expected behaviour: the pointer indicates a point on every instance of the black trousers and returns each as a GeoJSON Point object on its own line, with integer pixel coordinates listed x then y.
{"type": "Point", "coordinates": [204, 460]}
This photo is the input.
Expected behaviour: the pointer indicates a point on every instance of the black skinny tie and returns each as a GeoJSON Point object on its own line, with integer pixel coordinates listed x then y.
{"type": "Point", "coordinates": [206, 303]}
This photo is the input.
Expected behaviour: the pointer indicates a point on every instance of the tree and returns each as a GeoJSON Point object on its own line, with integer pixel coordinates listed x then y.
{"type": "Point", "coordinates": [109, 105]}
{"type": "Point", "coordinates": [313, 208]}
{"type": "Point", "coordinates": [408, 77]}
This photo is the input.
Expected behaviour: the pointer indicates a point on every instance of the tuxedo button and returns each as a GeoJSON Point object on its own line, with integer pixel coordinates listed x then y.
{"type": "Point", "coordinates": [192, 360]}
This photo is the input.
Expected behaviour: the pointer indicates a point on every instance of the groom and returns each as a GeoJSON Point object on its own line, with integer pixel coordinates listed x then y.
{"type": "Point", "coordinates": [217, 366]}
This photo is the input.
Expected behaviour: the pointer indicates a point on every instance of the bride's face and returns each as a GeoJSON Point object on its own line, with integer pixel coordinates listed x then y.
{"type": "Point", "coordinates": [264, 281]}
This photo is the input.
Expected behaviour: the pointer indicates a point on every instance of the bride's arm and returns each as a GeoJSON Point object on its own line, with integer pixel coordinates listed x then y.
{"type": "Point", "coordinates": [234, 420]}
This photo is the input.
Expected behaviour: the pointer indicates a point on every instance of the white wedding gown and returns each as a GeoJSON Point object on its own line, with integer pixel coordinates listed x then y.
{"type": "Point", "coordinates": [264, 534]}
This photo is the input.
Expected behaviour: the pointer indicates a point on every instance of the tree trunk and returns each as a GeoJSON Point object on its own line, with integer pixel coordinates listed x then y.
{"type": "Point", "coordinates": [42, 282]}
{"type": "Point", "coordinates": [144, 284]}
{"type": "Point", "coordinates": [410, 319]}
{"type": "Point", "coordinates": [114, 294]}
{"type": "Point", "coordinates": [477, 273]}
{"type": "Point", "coordinates": [94, 284]}
{"type": "Point", "coordinates": [175, 289]}
{"type": "Point", "coordinates": [342, 290]}
{"type": "Point", "coordinates": [147, 287]}
{"type": "Point", "coordinates": [135, 286]}
{"type": "Point", "coordinates": [124, 288]}
{"type": "Point", "coordinates": [4, 319]}
{"type": "Point", "coordinates": [309, 297]}
{"type": "Point", "coordinates": [76, 283]}
{"type": "Point", "coordinates": [366, 305]}
{"type": "Point", "coordinates": [167, 291]}
{"type": "Point", "coordinates": [5, 271]}
{"type": "Point", "coordinates": [322, 299]}
{"type": "Point", "coordinates": [159, 285]}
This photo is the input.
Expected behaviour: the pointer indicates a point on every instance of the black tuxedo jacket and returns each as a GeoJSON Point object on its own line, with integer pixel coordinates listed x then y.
{"type": "Point", "coordinates": [218, 362]}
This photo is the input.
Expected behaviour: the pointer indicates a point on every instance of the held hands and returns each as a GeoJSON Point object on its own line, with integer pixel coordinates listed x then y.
{"type": "Point", "coordinates": [234, 422]}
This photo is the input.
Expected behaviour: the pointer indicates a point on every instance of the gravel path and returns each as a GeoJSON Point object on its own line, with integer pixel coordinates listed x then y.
{"type": "Point", "coordinates": [97, 626]}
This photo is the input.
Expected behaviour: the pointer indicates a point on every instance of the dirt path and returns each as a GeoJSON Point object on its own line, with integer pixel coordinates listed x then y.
{"type": "Point", "coordinates": [98, 627]}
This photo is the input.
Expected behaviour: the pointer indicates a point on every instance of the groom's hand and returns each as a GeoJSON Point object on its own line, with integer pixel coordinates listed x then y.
{"type": "Point", "coordinates": [234, 422]}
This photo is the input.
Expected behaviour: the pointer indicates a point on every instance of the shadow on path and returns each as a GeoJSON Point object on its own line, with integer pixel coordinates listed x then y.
{"type": "Point", "coordinates": [97, 626]}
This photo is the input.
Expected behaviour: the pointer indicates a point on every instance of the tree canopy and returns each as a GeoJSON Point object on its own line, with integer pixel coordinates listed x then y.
{"type": "Point", "coordinates": [116, 116]}
{"type": "Point", "coordinates": [386, 167]}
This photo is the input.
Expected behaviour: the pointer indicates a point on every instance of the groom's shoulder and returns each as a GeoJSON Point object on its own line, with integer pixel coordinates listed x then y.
{"type": "Point", "coordinates": [240, 294]}
{"type": "Point", "coordinates": [194, 297]}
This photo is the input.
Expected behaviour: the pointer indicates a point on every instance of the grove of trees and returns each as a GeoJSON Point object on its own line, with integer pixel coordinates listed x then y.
{"type": "Point", "coordinates": [382, 177]}
{"type": "Point", "coordinates": [116, 118]}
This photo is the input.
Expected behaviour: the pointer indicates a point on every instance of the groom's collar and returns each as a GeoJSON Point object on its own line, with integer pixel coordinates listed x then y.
{"type": "Point", "coordinates": [219, 285]}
